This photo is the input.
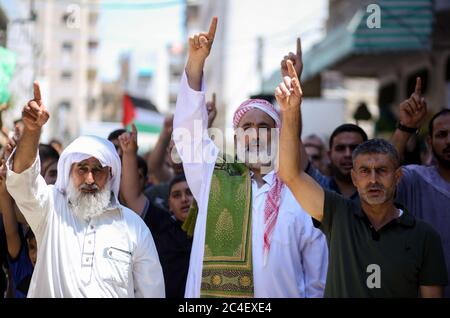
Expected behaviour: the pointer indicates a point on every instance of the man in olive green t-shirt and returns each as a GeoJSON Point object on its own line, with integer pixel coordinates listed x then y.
{"type": "Point", "coordinates": [394, 260]}
{"type": "Point", "coordinates": [376, 248]}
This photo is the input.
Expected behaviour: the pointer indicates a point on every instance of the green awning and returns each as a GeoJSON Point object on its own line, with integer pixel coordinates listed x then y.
{"type": "Point", "coordinates": [7, 66]}
{"type": "Point", "coordinates": [406, 25]}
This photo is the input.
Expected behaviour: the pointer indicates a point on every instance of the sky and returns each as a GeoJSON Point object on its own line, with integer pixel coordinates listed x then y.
{"type": "Point", "coordinates": [139, 26]}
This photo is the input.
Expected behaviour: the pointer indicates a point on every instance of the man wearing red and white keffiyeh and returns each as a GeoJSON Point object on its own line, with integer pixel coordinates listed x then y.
{"type": "Point", "coordinates": [260, 109]}
{"type": "Point", "coordinates": [289, 256]}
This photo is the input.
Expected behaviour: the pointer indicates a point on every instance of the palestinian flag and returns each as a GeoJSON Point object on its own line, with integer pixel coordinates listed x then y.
{"type": "Point", "coordinates": [142, 113]}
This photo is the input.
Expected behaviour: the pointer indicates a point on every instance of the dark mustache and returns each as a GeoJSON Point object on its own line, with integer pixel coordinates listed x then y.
{"type": "Point", "coordinates": [89, 187]}
{"type": "Point", "coordinates": [375, 187]}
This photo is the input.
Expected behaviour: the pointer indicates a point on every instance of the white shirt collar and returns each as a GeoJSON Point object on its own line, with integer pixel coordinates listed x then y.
{"type": "Point", "coordinates": [268, 178]}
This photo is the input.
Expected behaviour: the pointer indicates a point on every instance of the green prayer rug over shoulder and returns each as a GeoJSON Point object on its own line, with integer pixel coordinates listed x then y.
{"type": "Point", "coordinates": [227, 260]}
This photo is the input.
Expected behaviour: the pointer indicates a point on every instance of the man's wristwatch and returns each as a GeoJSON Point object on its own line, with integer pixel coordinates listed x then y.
{"type": "Point", "coordinates": [407, 129]}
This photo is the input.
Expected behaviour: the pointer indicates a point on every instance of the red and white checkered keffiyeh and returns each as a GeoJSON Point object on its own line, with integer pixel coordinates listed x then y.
{"type": "Point", "coordinates": [260, 104]}
{"type": "Point", "coordinates": [273, 199]}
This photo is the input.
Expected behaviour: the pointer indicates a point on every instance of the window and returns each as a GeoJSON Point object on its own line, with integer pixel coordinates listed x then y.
{"type": "Point", "coordinates": [92, 74]}
{"type": "Point", "coordinates": [62, 114]}
{"type": "Point", "coordinates": [92, 102]}
{"type": "Point", "coordinates": [93, 17]}
{"type": "Point", "coordinates": [65, 104]}
{"type": "Point", "coordinates": [66, 75]}
{"type": "Point", "coordinates": [67, 47]}
{"type": "Point", "coordinates": [92, 46]}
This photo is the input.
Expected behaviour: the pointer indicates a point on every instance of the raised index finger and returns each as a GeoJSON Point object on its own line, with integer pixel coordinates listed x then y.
{"type": "Point", "coordinates": [212, 29]}
{"type": "Point", "coordinates": [299, 47]}
{"type": "Point", "coordinates": [37, 92]}
{"type": "Point", "coordinates": [418, 89]}
{"type": "Point", "coordinates": [291, 69]}
{"type": "Point", "coordinates": [134, 130]}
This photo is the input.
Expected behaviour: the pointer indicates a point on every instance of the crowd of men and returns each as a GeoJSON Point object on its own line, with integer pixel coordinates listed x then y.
{"type": "Point", "coordinates": [95, 219]}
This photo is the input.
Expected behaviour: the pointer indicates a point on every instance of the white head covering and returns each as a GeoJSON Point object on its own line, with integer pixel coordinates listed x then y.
{"type": "Point", "coordinates": [83, 148]}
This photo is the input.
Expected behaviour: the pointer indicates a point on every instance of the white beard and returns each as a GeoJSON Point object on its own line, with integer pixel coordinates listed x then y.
{"type": "Point", "coordinates": [88, 205]}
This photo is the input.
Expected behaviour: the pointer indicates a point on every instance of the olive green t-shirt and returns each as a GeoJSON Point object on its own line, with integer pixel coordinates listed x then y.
{"type": "Point", "coordinates": [391, 262]}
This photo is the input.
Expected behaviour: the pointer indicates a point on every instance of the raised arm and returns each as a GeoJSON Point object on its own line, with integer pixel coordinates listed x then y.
{"type": "Point", "coordinates": [34, 116]}
{"type": "Point", "coordinates": [199, 49]}
{"type": "Point", "coordinates": [9, 148]}
{"type": "Point", "coordinates": [307, 191]}
{"type": "Point", "coordinates": [196, 149]}
{"type": "Point", "coordinates": [9, 217]}
{"type": "Point", "coordinates": [411, 115]}
{"type": "Point", "coordinates": [157, 159]}
{"type": "Point", "coordinates": [24, 182]}
{"type": "Point", "coordinates": [297, 60]}
{"type": "Point", "coordinates": [129, 182]}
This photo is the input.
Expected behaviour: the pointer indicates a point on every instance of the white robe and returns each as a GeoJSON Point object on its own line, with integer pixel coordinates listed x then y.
{"type": "Point", "coordinates": [298, 257]}
{"type": "Point", "coordinates": [112, 255]}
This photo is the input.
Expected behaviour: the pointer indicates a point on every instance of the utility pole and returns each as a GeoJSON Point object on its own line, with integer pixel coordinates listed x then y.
{"type": "Point", "coordinates": [260, 60]}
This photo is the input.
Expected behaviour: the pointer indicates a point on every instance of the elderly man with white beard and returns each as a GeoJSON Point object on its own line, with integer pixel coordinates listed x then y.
{"type": "Point", "coordinates": [88, 244]}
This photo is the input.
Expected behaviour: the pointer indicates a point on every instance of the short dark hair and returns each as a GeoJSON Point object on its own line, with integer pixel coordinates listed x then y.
{"type": "Point", "coordinates": [347, 128]}
{"type": "Point", "coordinates": [142, 165]}
{"type": "Point", "coordinates": [443, 112]}
{"type": "Point", "coordinates": [47, 152]}
{"type": "Point", "coordinates": [116, 133]}
{"type": "Point", "coordinates": [177, 179]}
{"type": "Point", "coordinates": [377, 146]}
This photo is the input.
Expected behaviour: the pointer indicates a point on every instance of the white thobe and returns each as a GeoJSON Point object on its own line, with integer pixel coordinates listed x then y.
{"type": "Point", "coordinates": [298, 257]}
{"type": "Point", "coordinates": [112, 255]}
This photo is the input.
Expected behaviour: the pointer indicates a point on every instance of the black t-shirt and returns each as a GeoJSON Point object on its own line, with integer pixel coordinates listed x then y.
{"type": "Point", "coordinates": [174, 249]}
{"type": "Point", "coordinates": [391, 262]}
